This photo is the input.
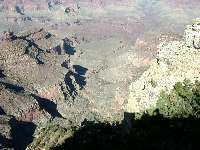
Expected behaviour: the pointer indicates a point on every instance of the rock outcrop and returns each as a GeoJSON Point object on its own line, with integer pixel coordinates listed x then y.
{"type": "Point", "coordinates": [175, 62]}
{"type": "Point", "coordinates": [37, 84]}
{"type": "Point", "coordinates": [192, 34]}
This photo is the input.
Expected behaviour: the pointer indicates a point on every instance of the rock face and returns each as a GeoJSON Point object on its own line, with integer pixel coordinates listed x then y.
{"type": "Point", "coordinates": [42, 79]}
{"type": "Point", "coordinates": [175, 61]}
{"type": "Point", "coordinates": [31, 84]}
{"type": "Point", "coordinates": [192, 34]}
{"type": "Point", "coordinates": [21, 105]}
{"type": "Point", "coordinates": [26, 60]}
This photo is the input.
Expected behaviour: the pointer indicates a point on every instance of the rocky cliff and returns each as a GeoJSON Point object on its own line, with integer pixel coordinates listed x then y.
{"type": "Point", "coordinates": [175, 62]}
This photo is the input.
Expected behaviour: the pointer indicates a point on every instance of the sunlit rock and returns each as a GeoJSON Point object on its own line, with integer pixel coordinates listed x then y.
{"type": "Point", "coordinates": [175, 61]}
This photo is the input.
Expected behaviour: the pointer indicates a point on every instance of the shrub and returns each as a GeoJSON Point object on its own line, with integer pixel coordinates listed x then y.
{"type": "Point", "coordinates": [183, 100]}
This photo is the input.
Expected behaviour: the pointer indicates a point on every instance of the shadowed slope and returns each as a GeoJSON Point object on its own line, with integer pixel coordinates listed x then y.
{"type": "Point", "coordinates": [149, 132]}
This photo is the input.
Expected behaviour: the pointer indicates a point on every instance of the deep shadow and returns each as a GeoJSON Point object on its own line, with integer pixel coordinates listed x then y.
{"type": "Point", "coordinates": [71, 88]}
{"type": "Point", "coordinates": [79, 80]}
{"type": "Point", "coordinates": [66, 64]}
{"type": "Point", "coordinates": [2, 112]}
{"type": "Point", "coordinates": [67, 47]}
{"type": "Point", "coordinates": [27, 18]}
{"type": "Point", "coordinates": [80, 70]}
{"type": "Point", "coordinates": [19, 10]}
{"type": "Point", "coordinates": [11, 87]}
{"type": "Point", "coordinates": [2, 75]}
{"type": "Point", "coordinates": [57, 50]}
{"type": "Point", "coordinates": [48, 35]}
{"type": "Point", "coordinates": [22, 133]}
{"type": "Point", "coordinates": [51, 4]}
{"type": "Point", "coordinates": [37, 55]}
{"type": "Point", "coordinates": [5, 143]}
{"type": "Point", "coordinates": [149, 132]}
{"type": "Point", "coordinates": [48, 106]}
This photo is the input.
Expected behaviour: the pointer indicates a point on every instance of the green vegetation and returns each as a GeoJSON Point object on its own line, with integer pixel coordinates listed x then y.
{"type": "Point", "coordinates": [183, 101]}
{"type": "Point", "coordinates": [51, 136]}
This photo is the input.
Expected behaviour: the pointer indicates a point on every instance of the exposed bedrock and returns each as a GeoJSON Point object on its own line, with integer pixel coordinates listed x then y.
{"type": "Point", "coordinates": [176, 61]}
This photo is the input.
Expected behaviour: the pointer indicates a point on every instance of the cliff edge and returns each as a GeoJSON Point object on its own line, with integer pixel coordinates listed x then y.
{"type": "Point", "coordinates": [175, 62]}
